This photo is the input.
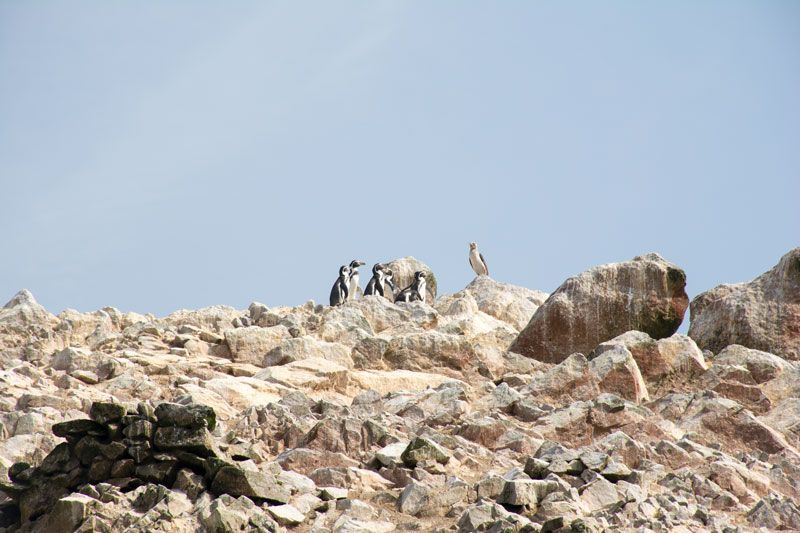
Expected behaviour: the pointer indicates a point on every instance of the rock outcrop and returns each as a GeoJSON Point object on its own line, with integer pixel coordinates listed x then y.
{"type": "Point", "coordinates": [645, 294]}
{"type": "Point", "coordinates": [763, 314]}
{"type": "Point", "coordinates": [381, 417]}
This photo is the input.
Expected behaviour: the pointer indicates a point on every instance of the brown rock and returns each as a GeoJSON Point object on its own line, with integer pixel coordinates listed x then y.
{"type": "Point", "coordinates": [763, 314]}
{"type": "Point", "coordinates": [645, 294]}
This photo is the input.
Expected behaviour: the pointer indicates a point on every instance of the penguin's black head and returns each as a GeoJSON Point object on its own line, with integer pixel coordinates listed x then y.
{"type": "Point", "coordinates": [344, 270]}
{"type": "Point", "coordinates": [419, 274]}
{"type": "Point", "coordinates": [376, 267]}
{"type": "Point", "coordinates": [355, 263]}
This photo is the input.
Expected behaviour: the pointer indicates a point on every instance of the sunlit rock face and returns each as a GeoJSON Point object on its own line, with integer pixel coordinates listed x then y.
{"type": "Point", "coordinates": [763, 314]}
{"type": "Point", "coordinates": [375, 416]}
{"type": "Point", "coordinates": [645, 294]}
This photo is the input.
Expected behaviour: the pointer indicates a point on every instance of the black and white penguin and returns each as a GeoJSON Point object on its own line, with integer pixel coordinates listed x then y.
{"type": "Point", "coordinates": [353, 282]}
{"type": "Point", "coordinates": [381, 276]}
{"type": "Point", "coordinates": [340, 290]}
{"type": "Point", "coordinates": [476, 260]}
{"type": "Point", "coordinates": [415, 291]}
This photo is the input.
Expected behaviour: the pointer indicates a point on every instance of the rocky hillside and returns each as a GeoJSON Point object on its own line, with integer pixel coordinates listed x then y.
{"type": "Point", "coordinates": [496, 408]}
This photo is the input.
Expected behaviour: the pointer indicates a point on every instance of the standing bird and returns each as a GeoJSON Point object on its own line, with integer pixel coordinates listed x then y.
{"type": "Point", "coordinates": [339, 291]}
{"type": "Point", "coordinates": [476, 260]}
{"type": "Point", "coordinates": [415, 291]}
{"type": "Point", "coordinates": [353, 282]}
{"type": "Point", "coordinates": [381, 276]}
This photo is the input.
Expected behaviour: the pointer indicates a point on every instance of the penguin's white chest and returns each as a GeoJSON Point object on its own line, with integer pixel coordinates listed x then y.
{"type": "Point", "coordinates": [353, 286]}
{"type": "Point", "coordinates": [421, 289]}
{"type": "Point", "coordinates": [476, 263]}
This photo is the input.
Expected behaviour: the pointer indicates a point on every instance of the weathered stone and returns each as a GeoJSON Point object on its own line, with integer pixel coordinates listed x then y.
{"type": "Point", "coordinates": [68, 513]}
{"type": "Point", "coordinates": [656, 359]}
{"type": "Point", "coordinates": [423, 449]}
{"type": "Point", "coordinates": [122, 468]}
{"type": "Point", "coordinates": [162, 472]}
{"type": "Point", "coordinates": [286, 514]}
{"type": "Point", "coordinates": [255, 485]}
{"type": "Point", "coordinates": [139, 429]}
{"type": "Point", "coordinates": [763, 314]}
{"type": "Point", "coordinates": [762, 366]}
{"type": "Point", "coordinates": [186, 416]}
{"type": "Point", "coordinates": [617, 372]}
{"type": "Point", "coordinates": [194, 440]}
{"type": "Point", "coordinates": [527, 492]}
{"type": "Point", "coordinates": [646, 294]}
{"type": "Point", "coordinates": [251, 344]}
{"type": "Point", "coordinates": [75, 429]}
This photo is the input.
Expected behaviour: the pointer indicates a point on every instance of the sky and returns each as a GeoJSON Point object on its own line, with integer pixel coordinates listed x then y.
{"type": "Point", "coordinates": [164, 155]}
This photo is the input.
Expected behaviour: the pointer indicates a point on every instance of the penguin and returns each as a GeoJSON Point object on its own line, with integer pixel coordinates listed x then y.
{"type": "Point", "coordinates": [375, 285]}
{"type": "Point", "coordinates": [415, 291]}
{"type": "Point", "coordinates": [339, 291]}
{"type": "Point", "coordinates": [476, 260]}
{"type": "Point", "coordinates": [381, 276]}
{"type": "Point", "coordinates": [353, 281]}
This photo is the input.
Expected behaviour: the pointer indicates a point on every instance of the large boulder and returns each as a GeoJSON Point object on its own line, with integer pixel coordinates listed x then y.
{"type": "Point", "coordinates": [645, 294]}
{"type": "Point", "coordinates": [763, 314]}
{"type": "Point", "coordinates": [403, 274]}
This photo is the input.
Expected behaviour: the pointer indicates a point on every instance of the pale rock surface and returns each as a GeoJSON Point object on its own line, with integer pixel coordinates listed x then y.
{"type": "Point", "coordinates": [645, 294]}
{"type": "Point", "coordinates": [379, 417]}
{"type": "Point", "coordinates": [763, 314]}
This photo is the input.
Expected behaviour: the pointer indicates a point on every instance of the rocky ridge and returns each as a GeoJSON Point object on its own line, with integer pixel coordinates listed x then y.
{"type": "Point", "coordinates": [381, 417]}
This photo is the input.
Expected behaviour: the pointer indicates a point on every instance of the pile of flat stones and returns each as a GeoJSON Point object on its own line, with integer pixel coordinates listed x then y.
{"type": "Point", "coordinates": [170, 445]}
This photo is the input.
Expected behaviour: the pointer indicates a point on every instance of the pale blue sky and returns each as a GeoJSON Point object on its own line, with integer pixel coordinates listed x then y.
{"type": "Point", "coordinates": [165, 155]}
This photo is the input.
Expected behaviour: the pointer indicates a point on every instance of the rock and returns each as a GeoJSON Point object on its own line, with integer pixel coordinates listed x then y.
{"type": "Point", "coordinates": [216, 318]}
{"type": "Point", "coordinates": [775, 512]}
{"type": "Point", "coordinates": [615, 471]}
{"type": "Point", "coordinates": [509, 303]}
{"type": "Point", "coordinates": [565, 382]}
{"type": "Point", "coordinates": [252, 344]}
{"type": "Point", "coordinates": [68, 513]}
{"type": "Point", "coordinates": [186, 416]}
{"type": "Point", "coordinates": [193, 440]}
{"type": "Point", "coordinates": [314, 373]}
{"type": "Point", "coordinates": [332, 493]}
{"type": "Point", "coordinates": [381, 314]}
{"type": "Point", "coordinates": [75, 429]}
{"type": "Point", "coordinates": [423, 449]}
{"type": "Point", "coordinates": [286, 514]}
{"type": "Point", "coordinates": [527, 492]}
{"type": "Point", "coordinates": [645, 294]}
{"type": "Point", "coordinates": [763, 314]}
{"type": "Point", "coordinates": [420, 499]}
{"type": "Point", "coordinates": [387, 381]}
{"type": "Point", "coordinates": [391, 454]}
{"type": "Point", "coordinates": [429, 349]}
{"type": "Point", "coordinates": [598, 495]}
{"type": "Point", "coordinates": [485, 516]}
{"type": "Point", "coordinates": [656, 359]}
{"type": "Point", "coordinates": [762, 366]}
{"type": "Point", "coordinates": [616, 371]}
{"type": "Point", "coordinates": [403, 275]}
{"type": "Point", "coordinates": [106, 412]}
{"type": "Point", "coordinates": [307, 347]}
{"type": "Point", "coordinates": [226, 514]}
{"type": "Point", "coordinates": [255, 485]}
